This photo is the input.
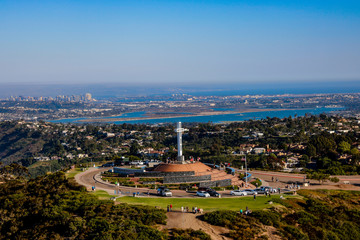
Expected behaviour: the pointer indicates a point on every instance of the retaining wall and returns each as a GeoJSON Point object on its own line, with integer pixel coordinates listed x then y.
{"type": "Point", "coordinates": [186, 179]}
{"type": "Point", "coordinates": [164, 174]}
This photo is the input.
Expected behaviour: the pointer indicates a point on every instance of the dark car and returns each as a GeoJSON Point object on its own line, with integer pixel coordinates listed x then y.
{"type": "Point", "coordinates": [213, 193]}
{"type": "Point", "coordinates": [109, 164]}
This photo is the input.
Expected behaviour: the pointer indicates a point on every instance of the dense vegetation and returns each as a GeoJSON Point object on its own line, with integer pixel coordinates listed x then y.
{"type": "Point", "coordinates": [51, 207]}
{"type": "Point", "coordinates": [242, 227]}
{"type": "Point", "coordinates": [320, 214]}
{"type": "Point", "coordinates": [188, 234]}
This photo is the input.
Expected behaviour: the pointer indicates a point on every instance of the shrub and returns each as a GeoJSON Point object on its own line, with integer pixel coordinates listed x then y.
{"type": "Point", "coordinates": [293, 233]}
{"type": "Point", "coordinates": [258, 181]}
{"type": "Point", "coordinates": [269, 218]}
{"type": "Point", "coordinates": [188, 234]}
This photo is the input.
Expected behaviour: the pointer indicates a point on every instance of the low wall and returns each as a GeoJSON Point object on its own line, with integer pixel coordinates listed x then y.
{"type": "Point", "coordinates": [127, 171]}
{"type": "Point", "coordinates": [219, 183]}
{"type": "Point", "coordinates": [164, 174]}
{"type": "Point", "coordinates": [186, 179]}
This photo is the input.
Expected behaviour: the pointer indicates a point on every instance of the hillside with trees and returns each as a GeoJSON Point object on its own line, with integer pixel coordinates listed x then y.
{"type": "Point", "coordinates": [51, 207]}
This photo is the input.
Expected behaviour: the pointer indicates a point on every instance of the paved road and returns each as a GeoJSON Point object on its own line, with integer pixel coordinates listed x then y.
{"type": "Point", "coordinates": [91, 178]}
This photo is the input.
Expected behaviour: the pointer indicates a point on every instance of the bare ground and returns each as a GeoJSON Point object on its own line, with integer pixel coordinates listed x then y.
{"type": "Point", "coordinates": [190, 220]}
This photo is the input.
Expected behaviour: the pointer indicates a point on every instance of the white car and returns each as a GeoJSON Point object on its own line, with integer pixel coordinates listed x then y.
{"type": "Point", "coordinates": [238, 193]}
{"type": "Point", "coordinates": [202, 194]}
{"type": "Point", "coordinates": [250, 192]}
{"type": "Point", "coordinates": [164, 192]}
{"type": "Point", "coordinates": [167, 193]}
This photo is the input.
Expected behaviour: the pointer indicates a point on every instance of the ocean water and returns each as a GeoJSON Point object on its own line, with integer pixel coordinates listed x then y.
{"type": "Point", "coordinates": [211, 118]}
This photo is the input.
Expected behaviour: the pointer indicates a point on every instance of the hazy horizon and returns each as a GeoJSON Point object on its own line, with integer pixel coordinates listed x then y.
{"type": "Point", "coordinates": [110, 90]}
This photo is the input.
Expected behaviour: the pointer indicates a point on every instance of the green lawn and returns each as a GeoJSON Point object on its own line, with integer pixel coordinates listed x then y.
{"type": "Point", "coordinates": [41, 163]}
{"type": "Point", "coordinates": [208, 204]}
{"type": "Point", "coordinates": [102, 194]}
{"type": "Point", "coordinates": [71, 173]}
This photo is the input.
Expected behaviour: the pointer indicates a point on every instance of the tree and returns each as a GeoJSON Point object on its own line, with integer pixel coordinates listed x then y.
{"type": "Point", "coordinates": [344, 147]}
{"type": "Point", "coordinates": [334, 179]}
{"type": "Point", "coordinates": [311, 150]}
{"type": "Point", "coordinates": [321, 177]}
{"type": "Point", "coordinates": [12, 171]}
{"type": "Point", "coordinates": [134, 148]}
{"type": "Point", "coordinates": [354, 151]}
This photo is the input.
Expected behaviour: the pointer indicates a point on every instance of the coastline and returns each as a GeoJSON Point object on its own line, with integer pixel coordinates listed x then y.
{"type": "Point", "coordinates": [182, 115]}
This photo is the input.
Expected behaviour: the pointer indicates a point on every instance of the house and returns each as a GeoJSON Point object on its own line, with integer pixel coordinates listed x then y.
{"type": "Point", "coordinates": [259, 150]}
{"type": "Point", "coordinates": [291, 162]}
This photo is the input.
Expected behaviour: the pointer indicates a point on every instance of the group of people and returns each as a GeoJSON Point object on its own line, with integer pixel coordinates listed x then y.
{"type": "Point", "coordinates": [292, 186]}
{"type": "Point", "coordinates": [276, 179]}
{"type": "Point", "coordinates": [185, 209]}
{"type": "Point", "coordinates": [169, 208]}
{"type": "Point", "coordinates": [136, 194]}
{"type": "Point", "coordinates": [246, 212]}
{"type": "Point", "coordinates": [197, 210]}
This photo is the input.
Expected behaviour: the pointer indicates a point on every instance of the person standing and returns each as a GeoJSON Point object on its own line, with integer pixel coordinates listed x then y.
{"type": "Point", "coordinates": [254, 196]}
{"type": "Point", "coordinates": [182, 209]}
{"type": "Point", "coordinates": [170, 207]}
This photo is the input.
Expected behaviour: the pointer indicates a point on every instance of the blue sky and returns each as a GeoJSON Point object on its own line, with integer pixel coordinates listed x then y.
{"type": "Point", "coordinates": [179, 41]}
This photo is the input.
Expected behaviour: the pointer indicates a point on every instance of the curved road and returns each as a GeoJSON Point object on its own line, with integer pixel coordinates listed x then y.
{"type": "Point", "coordinates": [91, 178]}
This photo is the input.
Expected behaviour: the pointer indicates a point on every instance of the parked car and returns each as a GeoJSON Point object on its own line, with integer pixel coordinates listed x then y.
{"type": "Point", "coordinates": [109, 164]}
{"type": "Point", "coordinates": [137, 163]}
{"type": "Point", "coordinates": [165, 192]}
{"type": "Point", "coordinates": [238, 193]}
{"type": "Point", "coordinates": [213, 193]}
{"type": "Point", "coordinates": [260, 190]}
{"type": "Point", "coordinates": [202, 194]}
{"type": "Point", "coordinates": [263, 190]}
{"type": "Point", "coordinates": [250, 192]}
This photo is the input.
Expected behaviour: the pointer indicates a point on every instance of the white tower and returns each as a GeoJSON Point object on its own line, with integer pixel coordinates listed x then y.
{"type": "Point", "coordinates": [179, 131]}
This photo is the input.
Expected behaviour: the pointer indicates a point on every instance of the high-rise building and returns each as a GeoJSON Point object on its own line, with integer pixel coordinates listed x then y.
{"type": "Point", "coordinates": [88, 97]}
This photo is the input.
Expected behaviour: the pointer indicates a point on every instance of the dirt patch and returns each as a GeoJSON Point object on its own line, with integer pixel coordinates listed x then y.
{"type": "Point", "coordinates": [190, 220]}
{"type": "Point", "coordinates": [348, 187]}
{"type": "Point", "coordinates": [271, 233]}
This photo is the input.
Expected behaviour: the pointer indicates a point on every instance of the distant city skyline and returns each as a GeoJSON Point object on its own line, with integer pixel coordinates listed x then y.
{"type": "Point", "coordinates": [119, 90]}
{"type": "Point", "coordinates": [179, 42]}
